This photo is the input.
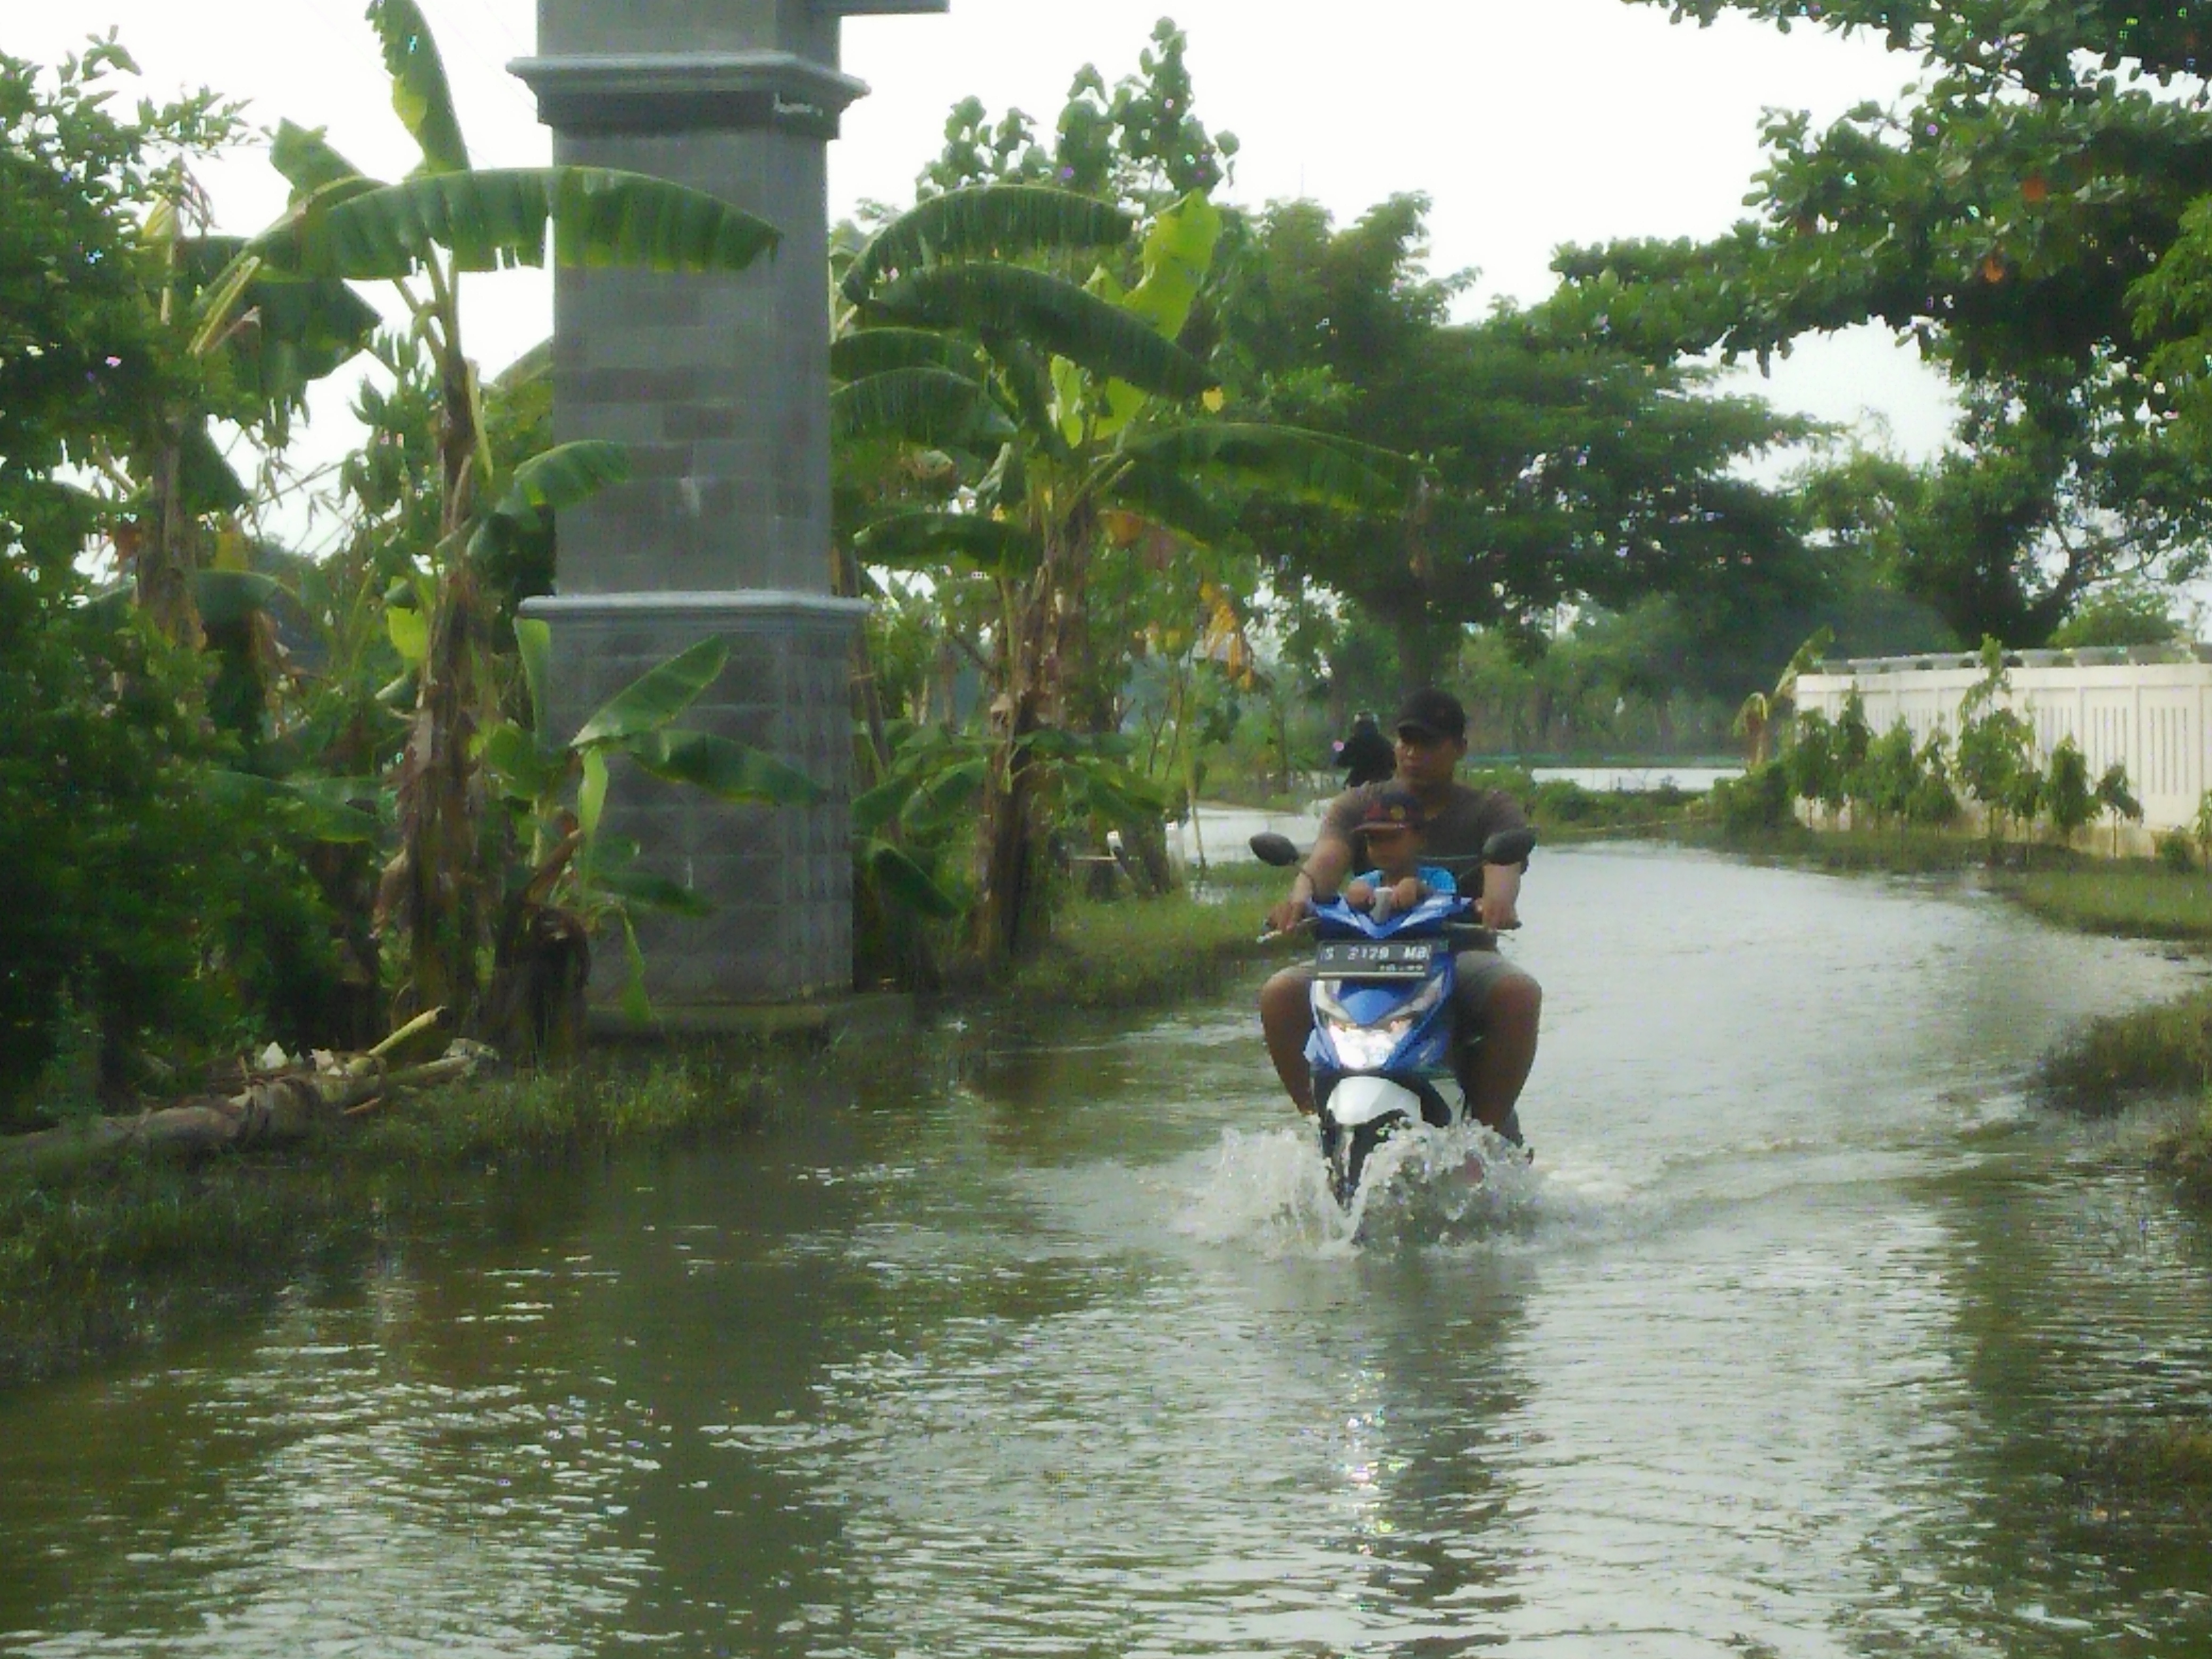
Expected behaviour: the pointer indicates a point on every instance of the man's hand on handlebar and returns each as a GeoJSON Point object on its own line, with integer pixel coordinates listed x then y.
{"type": "Point", "coordinates": [1286, 915]}
{"type": "Point", "coordinates": [1498, 912]}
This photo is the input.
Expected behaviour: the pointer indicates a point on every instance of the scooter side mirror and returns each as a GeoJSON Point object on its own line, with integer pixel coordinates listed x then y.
{"type": "Point", "coordinates": [1279, 850]}
{"type": "Point", "coordinates": [1509, 846]}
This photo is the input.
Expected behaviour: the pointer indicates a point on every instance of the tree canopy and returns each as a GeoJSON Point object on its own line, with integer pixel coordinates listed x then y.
{"type": "Point", "coordinates": [2032, 213]}
{"type": "Point", "coordinates": [1559, 469]}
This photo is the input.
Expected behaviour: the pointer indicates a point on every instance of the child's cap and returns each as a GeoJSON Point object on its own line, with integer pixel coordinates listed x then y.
{"type": "Point", "coordinates": [1393, 809]}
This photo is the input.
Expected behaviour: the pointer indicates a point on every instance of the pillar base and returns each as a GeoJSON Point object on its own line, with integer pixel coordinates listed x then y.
{"type": "Point", "coordinates": [779, 879]}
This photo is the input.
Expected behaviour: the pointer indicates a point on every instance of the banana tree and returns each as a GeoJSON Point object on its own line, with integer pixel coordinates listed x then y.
{"type": "Point", "coordinates": [1072, 413]}
{"type": "Point", "coordinates": [576, 879]}
{"type": "Point", "coordinates": [241, 344]}
{"type": "Point", "coordinates": [450, 219]}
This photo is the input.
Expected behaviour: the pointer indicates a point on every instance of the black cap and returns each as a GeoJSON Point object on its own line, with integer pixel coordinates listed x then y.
{"type": "Point", "coordinates": [1433, 713]}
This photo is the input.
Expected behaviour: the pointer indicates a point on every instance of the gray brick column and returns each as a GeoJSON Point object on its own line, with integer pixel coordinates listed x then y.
{"type": "Point", "coordinates": [718, 385]}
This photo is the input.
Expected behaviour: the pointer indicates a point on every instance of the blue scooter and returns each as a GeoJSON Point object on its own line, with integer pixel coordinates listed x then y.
{"type": "Point", "coordinates": [1385, 1043]}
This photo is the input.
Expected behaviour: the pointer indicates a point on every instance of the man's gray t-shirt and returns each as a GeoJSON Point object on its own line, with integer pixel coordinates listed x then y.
{"type": "Point", "coordinates": [1453, 834]}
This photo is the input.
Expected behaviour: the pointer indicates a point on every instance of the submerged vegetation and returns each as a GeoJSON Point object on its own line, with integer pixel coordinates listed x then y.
{"type": "Point", "coordinates": [133, 1250]}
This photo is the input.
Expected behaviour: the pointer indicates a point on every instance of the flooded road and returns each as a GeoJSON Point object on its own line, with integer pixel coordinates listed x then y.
{"type": "Point", "coordinates": [1047, 1344]}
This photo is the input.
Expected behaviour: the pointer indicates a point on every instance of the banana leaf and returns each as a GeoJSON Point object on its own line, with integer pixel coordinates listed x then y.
{"type": "Point", "coordinates": [420, 95]}
{"type": "Point", "coordinates": [409, 633]}
{"type": "Point", "coordinates": [939, 803]}
{"type": "Point", "coordinates": [1174, 501]}
{"type": "Point", "coordinates": [652, 892]}
{"type": "Point", "coordinates": [878, 350]}
{"type": "Point", "coordinates": [728, 770]}
{"type": "Point", "coordinates": [1049, 313]}
{"type": "Point", "coordinates": [920, 539]}
{"type": "Point", "coordinates": [518, 769]}
{"type": "Point", "coordinates": [532, 366]}
{"type": "Point", "coordinates": [906, 884]}
{"type": "Point", "coordinates": [309, 163]}
{"type": "Point", "coordinates": [590, 216]}
{"type": "Point", "coordinates": [932, 407]}
{"type": "Point", "coordinates": [637, 1004]}
{"type": "Point", "coordinates": [656, 697]}
{"type": "Point", "coordinates": [882, 804]}
{"type": "Point", "coordinates": [551, 482]}
{"type": "Point", "coordinates": [316, 815]}
{"type": "Point", "coordinates": [205, 482]}
{"type": "Point", "coordinates": [533, 644]}
{"type": "Point", "coordinates": [226, 597]}
{"type": "Point", "coordinates": [1178, 255]}
{"type": "Point", "coordinates": [1303, 466]}
{"type": "Point", "coordinates": [989, 221]}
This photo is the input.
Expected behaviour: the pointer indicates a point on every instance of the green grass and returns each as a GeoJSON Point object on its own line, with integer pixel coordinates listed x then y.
{"type": "Point", "coordinates": [2133, 899]}
{"type": "Point", "coordinates": [2162, 1050]}
{"type": "Point", "coordinates": [2185, 1149]}
{"type": "Point", "coordinates": [1132, 953]}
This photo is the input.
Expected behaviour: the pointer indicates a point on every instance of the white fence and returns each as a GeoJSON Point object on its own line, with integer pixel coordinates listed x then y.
{"type": "Point", "coordinates": [2149, 709]}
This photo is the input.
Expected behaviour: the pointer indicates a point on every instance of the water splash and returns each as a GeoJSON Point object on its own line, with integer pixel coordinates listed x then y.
{"type": "Point", "coordinates": [1422, 1189]}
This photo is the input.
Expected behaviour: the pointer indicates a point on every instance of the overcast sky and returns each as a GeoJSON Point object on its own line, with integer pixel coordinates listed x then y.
{"type": "Point", "coordinates": [1531, 122]}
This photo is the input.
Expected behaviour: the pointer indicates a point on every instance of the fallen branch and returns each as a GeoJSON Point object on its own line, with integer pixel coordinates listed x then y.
{"type": "Point", "coordinates": [274, 1107]}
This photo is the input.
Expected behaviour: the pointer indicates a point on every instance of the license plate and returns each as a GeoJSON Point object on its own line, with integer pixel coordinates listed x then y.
{"type": "Point", "coordinates": [1363, 958]}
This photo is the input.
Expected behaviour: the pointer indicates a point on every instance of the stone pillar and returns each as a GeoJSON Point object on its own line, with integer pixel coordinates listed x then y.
{"type": "Point", "coordinates": [718, 385]}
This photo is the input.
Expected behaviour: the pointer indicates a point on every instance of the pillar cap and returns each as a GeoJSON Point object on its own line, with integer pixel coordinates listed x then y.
{"type": "Point", "coordinates": [709, 611]}
{"type": "Point", "coordinates": [676, 92]}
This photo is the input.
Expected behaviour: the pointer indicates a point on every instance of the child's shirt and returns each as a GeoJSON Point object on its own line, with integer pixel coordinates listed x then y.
{"type": "Point", "coordinates": [1434, 877]}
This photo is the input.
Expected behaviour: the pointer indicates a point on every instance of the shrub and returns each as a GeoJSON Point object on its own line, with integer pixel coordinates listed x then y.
{"type": "Point", "coordinates": [1883, 783]}
{"type": "Point", "coordinates": [2177, 852]}
{"type": "Point", "coordinates": [1813, 765]}
{"type": "Point", "coordinates": [1758, 801]}
{"type": "Point", "coordinates": [2068, 795]}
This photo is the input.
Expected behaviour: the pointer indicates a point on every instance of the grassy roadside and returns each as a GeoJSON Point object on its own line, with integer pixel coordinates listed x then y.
{"type": "Point", "coordinates": [1134, 953]}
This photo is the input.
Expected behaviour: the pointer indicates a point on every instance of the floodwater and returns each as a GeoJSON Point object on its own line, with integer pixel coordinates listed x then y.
{"type": "Point", "coordinates": [1799, 1340]}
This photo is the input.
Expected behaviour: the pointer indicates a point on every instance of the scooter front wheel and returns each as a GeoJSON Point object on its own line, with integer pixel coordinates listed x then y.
{"type": "Point", "coordinates": [1348, 1151]}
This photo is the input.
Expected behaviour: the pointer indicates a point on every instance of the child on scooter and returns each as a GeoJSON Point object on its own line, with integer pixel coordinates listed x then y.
{"type": "Point", "coordinates": [1391, 827]}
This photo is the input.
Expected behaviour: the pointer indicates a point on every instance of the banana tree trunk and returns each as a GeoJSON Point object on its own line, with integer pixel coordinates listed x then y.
{"type": "Point", "coordinates": [439, 875]}
{"type": "Point", "coordinates": [165, 556]}
{"type": "Point", "coordinates": [1010, 915]}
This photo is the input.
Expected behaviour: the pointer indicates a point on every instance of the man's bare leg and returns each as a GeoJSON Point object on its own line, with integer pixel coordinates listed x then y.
{"type": "Point", "coordinates": [1286, 1017]}
{"type": "Point", "coordinates": [1510, 1015]}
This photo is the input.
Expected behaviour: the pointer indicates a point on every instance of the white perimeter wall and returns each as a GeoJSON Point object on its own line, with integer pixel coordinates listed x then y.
{"type": "Point", "coordinates": [2153, 717]}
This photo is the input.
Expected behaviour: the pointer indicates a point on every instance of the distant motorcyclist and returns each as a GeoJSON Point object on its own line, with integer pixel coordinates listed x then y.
{"type": "Point", "coordinates": [1366, 755]}
{"type": "Point", "coordinates": [1496, 998]}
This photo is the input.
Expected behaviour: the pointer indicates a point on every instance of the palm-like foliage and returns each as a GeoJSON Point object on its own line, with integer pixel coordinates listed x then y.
{"type": "Point", "coordinates": [423, 234]}
{"type": "Point", "coordinates": [574, 878]}
{"type": "Point", "coordinates": [1077, 430]}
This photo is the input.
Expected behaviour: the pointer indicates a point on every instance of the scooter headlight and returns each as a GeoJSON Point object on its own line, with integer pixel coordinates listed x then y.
{"type": "Point", "coordinates": [1369, 1048]}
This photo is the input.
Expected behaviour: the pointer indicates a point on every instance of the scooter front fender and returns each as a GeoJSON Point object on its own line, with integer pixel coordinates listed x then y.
{"type": "Point", "coordinates": [1361, 1100]}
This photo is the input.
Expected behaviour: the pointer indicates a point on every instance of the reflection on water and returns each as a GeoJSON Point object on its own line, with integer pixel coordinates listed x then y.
{"type": "Point", "coordinates": [1049, 1342]}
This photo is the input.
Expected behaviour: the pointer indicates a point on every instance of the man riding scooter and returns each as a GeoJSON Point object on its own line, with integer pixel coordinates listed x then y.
{"type": "Point", "coordinates": [1496, 999]}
